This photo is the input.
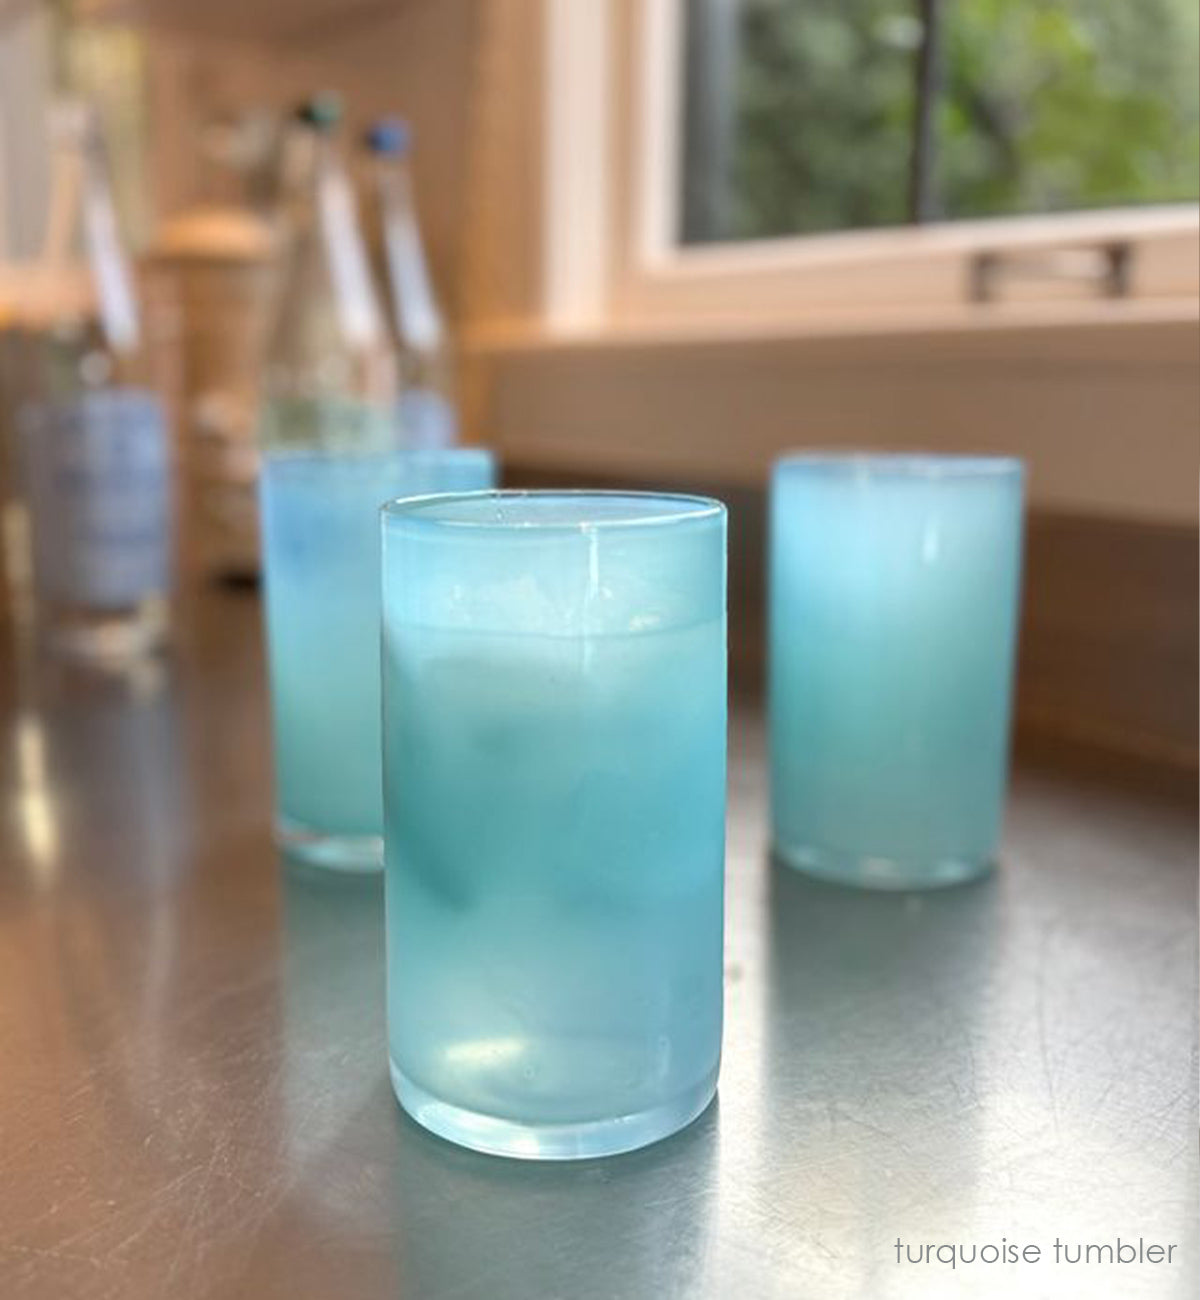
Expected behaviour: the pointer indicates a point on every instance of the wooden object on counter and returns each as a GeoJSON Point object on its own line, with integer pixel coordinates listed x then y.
{"type": "Point", "coordinates": [221, 262]}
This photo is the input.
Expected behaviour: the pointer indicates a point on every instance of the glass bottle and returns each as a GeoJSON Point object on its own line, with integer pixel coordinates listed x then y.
{"type": "Point", "coordinates": [427, 411]}
{"type": "Point", "coordinates": [95, 457]}
{"type": "Point", "coordinates": [330, 375]}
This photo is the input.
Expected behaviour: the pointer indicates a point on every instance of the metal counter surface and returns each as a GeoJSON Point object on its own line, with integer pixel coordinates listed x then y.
{"type": "Point", "coordinates": [194, 1098]}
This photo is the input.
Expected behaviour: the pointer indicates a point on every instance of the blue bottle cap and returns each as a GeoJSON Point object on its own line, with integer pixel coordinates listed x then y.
{"type": "Point", "coordinates": [322, 112]}
{"type": "Point", "coordinates": [390, 135]}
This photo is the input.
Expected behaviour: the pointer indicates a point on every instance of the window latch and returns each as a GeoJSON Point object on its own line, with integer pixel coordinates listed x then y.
{"type": "Point", "coordinates": [1106, 266]}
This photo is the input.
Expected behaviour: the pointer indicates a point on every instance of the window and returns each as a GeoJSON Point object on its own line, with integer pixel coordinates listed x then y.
{"type": "Point", "coordinates": [598, 338]}
{"type": "Point", "coordinates": [804, 116]}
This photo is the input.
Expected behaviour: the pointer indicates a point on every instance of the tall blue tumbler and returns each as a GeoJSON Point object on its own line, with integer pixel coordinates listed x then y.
{"type": "Point", "coordinates": [894, 594]}
{"type": "Point", "coordinates": [554, 776]}
{"type": "Point", "coordinates": [320, 530]}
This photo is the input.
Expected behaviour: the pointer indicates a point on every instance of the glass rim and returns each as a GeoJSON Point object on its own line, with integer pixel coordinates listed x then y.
{"type": "Point", "coordinates": [907, 464]}
{"type": "Point", "coordinates": [421, 510]}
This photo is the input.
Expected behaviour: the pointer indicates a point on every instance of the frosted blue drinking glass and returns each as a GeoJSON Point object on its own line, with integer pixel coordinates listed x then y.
{"type": "Point", "coordinates": [320, 538]}
{"type": "Point", "coordinates": [554, 788]}
{"type": "Point", "coordinates": [894, 592]}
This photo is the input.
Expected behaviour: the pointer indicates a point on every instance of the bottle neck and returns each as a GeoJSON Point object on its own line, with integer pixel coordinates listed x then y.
{"type": "Point", "coordinates": [336, 217]}
{"type": "Point", "coordinates": [84, 267]}
{"type": "Point", "coordinates": [418, 319]}
{"type": "Point", "coordinates": [331, 374]}
{"type": "Point", "coordinates": [298, 166]}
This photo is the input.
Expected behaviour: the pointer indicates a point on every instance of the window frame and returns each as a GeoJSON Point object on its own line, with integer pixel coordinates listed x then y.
{"type": "Point", "coordinates": [592, 343]}
{"type": "Point", "coordinates": [613, 117]}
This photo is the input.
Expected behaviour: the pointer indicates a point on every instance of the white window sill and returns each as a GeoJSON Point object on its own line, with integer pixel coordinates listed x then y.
{"type": "Point", "coordinates": [899, 323]}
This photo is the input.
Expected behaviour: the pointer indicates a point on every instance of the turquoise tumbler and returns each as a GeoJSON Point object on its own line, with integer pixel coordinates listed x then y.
{"type": "Point", "coordinates": [320, 540]}
{"type": "Point", "coordinates": [554, 776]}
{"type": "Point", "coordinates": [893, 602]}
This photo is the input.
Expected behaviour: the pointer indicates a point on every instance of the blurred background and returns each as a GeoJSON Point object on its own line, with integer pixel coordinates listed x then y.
{"type": "Point", "coordinates": [675, 238]}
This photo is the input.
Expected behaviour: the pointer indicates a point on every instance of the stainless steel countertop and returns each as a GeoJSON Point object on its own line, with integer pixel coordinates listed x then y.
{"type": "Point", "coordinates": [193, 1089]}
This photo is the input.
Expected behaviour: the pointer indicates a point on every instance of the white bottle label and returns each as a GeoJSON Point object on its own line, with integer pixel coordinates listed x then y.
{"type": "Point", "coordinates": [97, 470]}
{"type": "Point", "coordinates": [361, 322]}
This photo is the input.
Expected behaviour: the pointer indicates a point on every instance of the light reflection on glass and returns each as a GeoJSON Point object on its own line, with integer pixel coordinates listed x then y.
{"type": "Point", "coordinates": [36, 812]}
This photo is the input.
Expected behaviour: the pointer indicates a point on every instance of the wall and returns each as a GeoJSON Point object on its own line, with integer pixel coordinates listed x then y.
{"type": "Point", "coordinates": [25, 48]}
{"type": "Point", "coordinates": [415, 59]}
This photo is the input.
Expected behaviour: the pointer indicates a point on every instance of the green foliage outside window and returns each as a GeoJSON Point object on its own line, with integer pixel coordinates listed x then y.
{"type": "Point", "coordinates": [1044, 106]}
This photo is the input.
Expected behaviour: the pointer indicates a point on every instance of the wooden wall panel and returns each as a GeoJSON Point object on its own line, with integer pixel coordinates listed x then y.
{"type": "Point", "coordinates": [1108, 651]}
{"type": "Point", "coordinates": [415, 59]}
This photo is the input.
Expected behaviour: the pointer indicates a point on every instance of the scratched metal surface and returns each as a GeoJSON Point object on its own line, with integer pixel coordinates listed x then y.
{"type": "Point", "coordinates": [194, 1101]}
